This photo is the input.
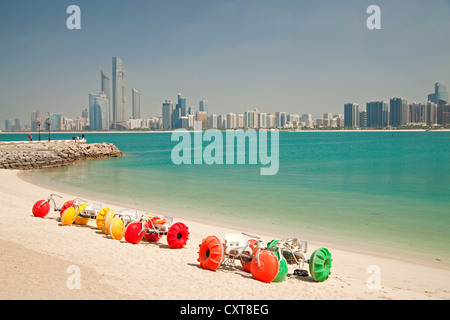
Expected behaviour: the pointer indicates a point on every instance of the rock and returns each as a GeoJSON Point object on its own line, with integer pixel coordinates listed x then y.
{"type": "Point", "coordinates": [53, 154]}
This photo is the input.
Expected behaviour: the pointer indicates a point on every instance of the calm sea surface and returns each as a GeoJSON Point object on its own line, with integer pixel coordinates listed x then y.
{"type": "Point", "coordinates": [386, 190]}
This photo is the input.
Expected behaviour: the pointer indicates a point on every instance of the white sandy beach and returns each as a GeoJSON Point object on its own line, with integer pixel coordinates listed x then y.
{"type": "Point", "coordinates": [36, 255]}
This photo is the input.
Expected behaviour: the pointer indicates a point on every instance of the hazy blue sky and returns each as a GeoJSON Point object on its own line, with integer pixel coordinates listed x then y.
{"type": "Point", "coordinates": [279, 55]}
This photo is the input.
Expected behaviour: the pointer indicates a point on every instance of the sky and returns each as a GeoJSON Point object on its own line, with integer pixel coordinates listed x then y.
{"type": "Point", "coordinates": [281, 55]}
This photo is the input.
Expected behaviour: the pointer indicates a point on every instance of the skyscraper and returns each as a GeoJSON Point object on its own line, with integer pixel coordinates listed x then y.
{"type": "Point", "coordinates": [440, 94]}
{"type": "Point", "coordinates": [106, 88]}
{"type": "Point", "coordinates": [136, 100]}
{"type": "Point", "coordinates": [201, 116]}
{"type": "Point", "coordinates": [98, 111]}
{"type": "Point", "coordinates": [167, 115]}
{"type": "Point", "coordinates": [35, 116]}
{"type": "Point", "coordinates": [377, 114]}
{"type": "Point", "coordinates": [431, 113]}
{"type": "Point", "coordinates": [8, 125]}
{"type": "Point", "coordinates": [179, 111]}
{"type": "Point", "coordinates": [398, 112]}
{"type": "Point", "coordinates": [351, 115]}
{"type": "Point", "coordinates": [118, 91]}
{"type": "Point", "coordinates": [203, 105]}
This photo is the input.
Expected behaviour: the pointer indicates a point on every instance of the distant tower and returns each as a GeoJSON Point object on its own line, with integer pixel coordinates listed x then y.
{"type": "Point", "coordinates": [167, 115]}
{"type": "Point", "coordinates": [136, 100]}
{"type": "Point", "coordinates": [118, 91]}
{"type": "Point", "coordinates": [398, 112]}
{"type": "Point", "coordinates": [440, 94]}
{"type": "Point", "coordinates": [377, 114]}
{"type": "Point", "coordinates": [98, 111]}
{"type": "Point", "coordinates": [106, 88]}
{"type": "Point", "coordinates": [203, 105]}
{"type": "Point", "coordinates": [351, 115]}
{"type": "Point", "coordinates": [35, 115]}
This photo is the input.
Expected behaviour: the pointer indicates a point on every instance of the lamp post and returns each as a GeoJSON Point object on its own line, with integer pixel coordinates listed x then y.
{"type": "Point", "coordinates": [38, 122]}
{"type": "Point", "coordinates": [48, 121]}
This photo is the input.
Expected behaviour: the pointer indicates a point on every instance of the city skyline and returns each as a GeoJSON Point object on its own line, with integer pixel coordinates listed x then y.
{"type": "Point", "coordinates": [397, 113]}
{"type": "Point", "coordinates": [296, 57]}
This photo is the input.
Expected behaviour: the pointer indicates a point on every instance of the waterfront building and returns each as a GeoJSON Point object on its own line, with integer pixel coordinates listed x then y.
{"type": "Point", "coordinates": [222, 121]}
{"type": "Point", "coordinates": [136, 103]}
{"type": "Point", "coordinates": [182, 104]}
{"type": "Point", "coordinates": [263, 120]}
{"type": "Point", "coordinates": [203, 105]}
{"type": "Point", "coordinates": [377, 114]}
{"type": "Point", "coordinates": [98, 111]}
{"type": "Point", "coordinates": [249, 119]}
{"type": "Point", "coordinates": [231, 120]}
{"type": "Point", "coordinates": [119, 93]}
{"type": "Point", "coordinates": [8, 124]}
{"type": "Point", "coordinates": [191, 118]}
{"type": "Point", "coordinates": [417, 113]}
{"type": "Point", "coordinates": [35, 116]}
{"type": "Point", "coordinates": [105, 86]}
{"type": "Point", "coordinates": [306, 120]}
{"type": "Point", "coordinates": [431, 113]}
{"type": "Point", "coordinates": [201, 116]}
{"type": "Point", "coordinates": [167, 115]}
{"type": "Point", "coordinates": [440, 94]}
{"type": "Point", "coordinates": [240, 121]}
{"type": "Point", "coordinates": [398, 112]}
{"type": "Point", "coordinates": [271, 120]}
{"type": "Point", "coordinates": [211, 122]}
{"type": "Point", "coordinates": [351, 115]}
{"type": "Point", "coordinates": [446, 114]}
{"type": "Point", "coordinates": [179, 111]}
{"type": "Point", "coordinates": [363, 119]}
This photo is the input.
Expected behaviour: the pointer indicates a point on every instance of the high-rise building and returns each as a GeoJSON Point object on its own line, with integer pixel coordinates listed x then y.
{"type": "Point", "coordinates": [307, 120]}
{"type": "Point", "coordinates": [211, 122]}
{"type": "Point", "coordinates": [98, 111]}
{"type": "Point", "coordinates": [8, 125]}
{"type": "Point", "coordinates": [263, 120]}
{"type": "Point", "coordinates": [106, 88]}
{"type": "Point", "coordinates": [118, 91]}
{"type": "Point", "coordinates": [431, 113]}
{"type": "Point", "coordinates": [231, 120]}
{"type": "Point", "coordinates": [398, 112]}
{"type": "Point", "coordinates": [417, 113]}
{"type": "Point", "coordinates": [446, 114]}
{"type": "Point", "coordinates": [201, 116]}
{"type": "Point", "coordinates": [136, 103]}
{"type": "Point", "coordinates": [181, 104]}
{"type": "Point", "coordinates": [179, 111]}
{"type": "Point", "coordinates": [17, 125]}
{"type": "Point", "coordinates": [35, 116]}
{"type": "Point", "coordinates": [85, 112]}
{"type": "Point", "coordinates": [351, 115]}
{"type": "Point", "coordinates": [377, 114]}
{"type": "Point", "coordinates": [362, 119]}
{"type": "Point", "coordinates": [203, 105]}
{"type": "Point", "coordinates": [167, 115]}
{"type": "Point", "coordinates": [249, 119]}
{"type": "Point", "coordinates": [440, 94]}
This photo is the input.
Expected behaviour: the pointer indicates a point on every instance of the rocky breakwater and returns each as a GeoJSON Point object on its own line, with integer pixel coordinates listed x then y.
{"type": "Point", "coordinates": [52, 154]}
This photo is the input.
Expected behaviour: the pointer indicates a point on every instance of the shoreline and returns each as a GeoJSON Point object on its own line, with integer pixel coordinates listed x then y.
{"type": "Point", "coordinates": [256, 129]}
{"type": "Point", "coordinates": [115, 264]}
{"type": "Point", "coordinates": [363, 246]}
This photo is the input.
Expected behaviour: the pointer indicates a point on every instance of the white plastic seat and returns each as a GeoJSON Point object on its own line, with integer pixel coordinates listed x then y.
{"type": "Point", "coordinates": [129, 214]}
{"type": "Point", "coordinates": [94, 208]}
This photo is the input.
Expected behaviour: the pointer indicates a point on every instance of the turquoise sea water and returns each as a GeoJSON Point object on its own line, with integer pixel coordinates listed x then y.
{"type": "Point", "coordinates": [384, 190]}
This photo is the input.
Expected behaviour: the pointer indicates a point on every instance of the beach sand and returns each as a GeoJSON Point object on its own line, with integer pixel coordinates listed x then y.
{"type": "Point", "coordinates": [38, 257]}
